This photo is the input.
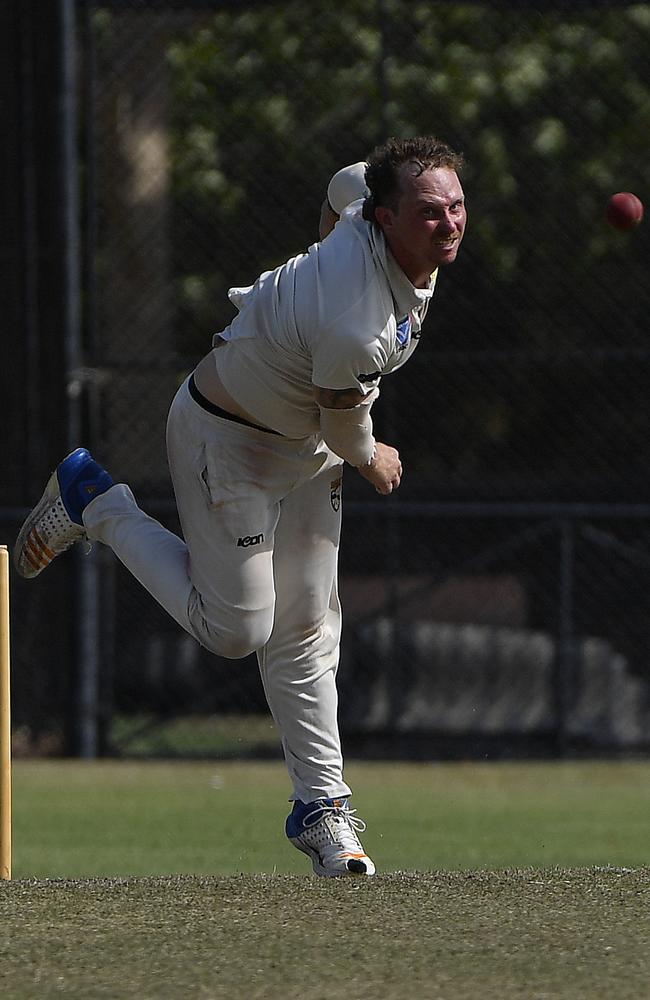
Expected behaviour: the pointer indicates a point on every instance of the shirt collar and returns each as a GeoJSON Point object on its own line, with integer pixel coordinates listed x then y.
{"type": "Point", "coordinates": [405, 295]}
{"type": "Point", "coordinates": [404, 292]}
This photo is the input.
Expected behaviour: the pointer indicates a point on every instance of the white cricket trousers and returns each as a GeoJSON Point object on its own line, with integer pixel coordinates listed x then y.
{"type": "Point", "coordinates": [260, 515]}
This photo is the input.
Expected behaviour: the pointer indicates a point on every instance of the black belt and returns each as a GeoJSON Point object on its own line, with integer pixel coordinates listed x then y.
{"type": "Point", "coordinates": [217, 411]}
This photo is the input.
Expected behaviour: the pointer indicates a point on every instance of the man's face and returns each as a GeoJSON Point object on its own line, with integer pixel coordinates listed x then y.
{"type": "Point", "coordinates": [425, 231]}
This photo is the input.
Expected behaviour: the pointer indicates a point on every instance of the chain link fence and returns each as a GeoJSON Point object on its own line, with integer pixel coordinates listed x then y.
{"type": "Point", "coordinates": [500, 602]}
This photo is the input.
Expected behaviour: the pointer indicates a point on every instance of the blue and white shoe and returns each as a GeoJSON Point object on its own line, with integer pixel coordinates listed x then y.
{"type": "Point", "coordinates": [56, 522]}
{"type": "Point", "coordinates": [326, 830]}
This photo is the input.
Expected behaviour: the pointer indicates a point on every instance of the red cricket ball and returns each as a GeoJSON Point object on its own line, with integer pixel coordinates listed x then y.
{"type": "Point", "coordinates": [624, 210]}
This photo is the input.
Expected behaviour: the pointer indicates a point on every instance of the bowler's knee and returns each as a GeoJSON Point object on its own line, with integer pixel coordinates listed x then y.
{"type": "Point", "coordinates": [237, 635]}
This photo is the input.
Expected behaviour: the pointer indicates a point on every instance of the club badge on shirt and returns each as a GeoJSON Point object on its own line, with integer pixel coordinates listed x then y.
{"type": "Point", "coordinates": [403, 334]}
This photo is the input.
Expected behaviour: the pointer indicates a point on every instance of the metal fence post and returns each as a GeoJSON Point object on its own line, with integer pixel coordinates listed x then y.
{"type": "Point", "coordinates": [86, 578]}
{"type": "Point", "coordinates": [565, 646]}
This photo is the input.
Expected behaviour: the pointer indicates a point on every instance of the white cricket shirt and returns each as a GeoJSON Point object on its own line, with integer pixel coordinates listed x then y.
{"type": "Point", "coordinates": [339, 316]}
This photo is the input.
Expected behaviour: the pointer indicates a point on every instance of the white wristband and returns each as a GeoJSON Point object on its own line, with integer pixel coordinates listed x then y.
{"type": "Point", "coordinates": [348, 432]}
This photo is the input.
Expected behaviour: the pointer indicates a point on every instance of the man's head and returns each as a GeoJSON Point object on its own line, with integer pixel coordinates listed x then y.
{"type": "Point", "coordinates": [417, 199]}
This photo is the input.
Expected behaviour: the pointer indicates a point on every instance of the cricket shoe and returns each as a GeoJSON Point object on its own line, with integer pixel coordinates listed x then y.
{"type": "Point", "coordinates": [326, 830]}
{"type": "Point", "coordinates": [55, 522]}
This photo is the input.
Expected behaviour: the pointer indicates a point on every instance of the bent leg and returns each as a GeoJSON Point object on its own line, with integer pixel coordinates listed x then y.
{"type": "Point", "coordinates": [218, 583]}
{"type": "Point", "coordinates": [156, 557]}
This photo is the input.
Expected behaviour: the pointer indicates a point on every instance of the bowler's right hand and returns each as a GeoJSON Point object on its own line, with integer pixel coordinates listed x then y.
{"type": "Point", "coordinates": [385, 469]}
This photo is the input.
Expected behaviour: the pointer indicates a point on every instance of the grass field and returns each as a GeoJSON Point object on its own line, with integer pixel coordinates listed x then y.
{"type": "Point", "coordinates": [172, 880]}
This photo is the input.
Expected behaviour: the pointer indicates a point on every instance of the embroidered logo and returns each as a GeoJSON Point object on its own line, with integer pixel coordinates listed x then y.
{"type": "Point", "coordinates": [247, 540]}
{"type": "Point", "coordinates": [335, 493]}
{"type": "Point", "coordinates": [403, 332]}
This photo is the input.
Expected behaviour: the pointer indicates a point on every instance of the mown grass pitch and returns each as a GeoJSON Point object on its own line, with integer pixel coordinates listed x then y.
{"type": "Point", "coordinates": [504, 881]}
{"type": "Point", "coordinates": [534, 934]}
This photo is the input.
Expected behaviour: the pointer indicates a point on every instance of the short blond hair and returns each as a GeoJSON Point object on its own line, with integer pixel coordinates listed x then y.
{"type": "Point", "coordinates": [382, 176]}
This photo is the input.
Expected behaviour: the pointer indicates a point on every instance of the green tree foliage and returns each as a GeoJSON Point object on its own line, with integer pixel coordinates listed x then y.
{"type": "Point", "coordinates": [269, 103]}
{"type": "Point", "coordinates": [538, 332]}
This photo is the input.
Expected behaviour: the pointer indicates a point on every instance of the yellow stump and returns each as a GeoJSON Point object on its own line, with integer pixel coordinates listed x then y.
{"type": "Point", "coordinates": [5, 719]}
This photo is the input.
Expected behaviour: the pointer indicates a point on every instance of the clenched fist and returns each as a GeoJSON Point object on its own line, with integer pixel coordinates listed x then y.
{"type": "Point", "coordinates": [385, 470]}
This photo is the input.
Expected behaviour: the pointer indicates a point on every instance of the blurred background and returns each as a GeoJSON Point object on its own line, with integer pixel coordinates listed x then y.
{"type": "Point", "coordinates": [157, 152]}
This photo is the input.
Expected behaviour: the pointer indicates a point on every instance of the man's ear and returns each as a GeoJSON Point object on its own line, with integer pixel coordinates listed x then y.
{"type": "Point", "coordinates": [384, 216]}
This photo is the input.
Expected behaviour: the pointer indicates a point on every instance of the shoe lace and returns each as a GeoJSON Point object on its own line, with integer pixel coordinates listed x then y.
{"type": "Point", "coordinates": [340, 812]}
